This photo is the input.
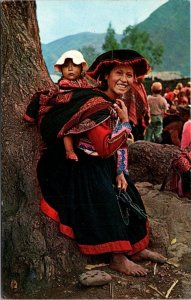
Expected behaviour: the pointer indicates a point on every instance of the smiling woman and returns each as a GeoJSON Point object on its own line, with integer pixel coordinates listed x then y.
{"type": "Point", "coordinates": [83, 196]}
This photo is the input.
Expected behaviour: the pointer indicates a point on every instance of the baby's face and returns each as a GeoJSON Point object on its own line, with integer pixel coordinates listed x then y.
{"type": "Point", "coordinates": [70, 70]}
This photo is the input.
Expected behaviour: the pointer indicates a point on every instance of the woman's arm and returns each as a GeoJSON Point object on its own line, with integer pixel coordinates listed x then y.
{"type": "Point", "coordinates": [105, 141]}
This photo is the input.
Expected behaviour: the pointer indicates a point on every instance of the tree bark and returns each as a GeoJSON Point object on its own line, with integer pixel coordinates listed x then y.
{"type": "Point", "coordinates": [32, 247]}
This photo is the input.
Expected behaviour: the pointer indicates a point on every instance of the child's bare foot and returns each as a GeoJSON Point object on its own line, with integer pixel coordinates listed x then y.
{"type": "Point", "coordinates": [122, 264]}
{"type": "Point", "coordinates": [149, 255]}
{"type": "Point", "coordinates": [71, 155]}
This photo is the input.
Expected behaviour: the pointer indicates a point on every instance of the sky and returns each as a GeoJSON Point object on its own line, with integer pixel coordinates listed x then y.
{"type": "Point", "coordinates": [61, 18]}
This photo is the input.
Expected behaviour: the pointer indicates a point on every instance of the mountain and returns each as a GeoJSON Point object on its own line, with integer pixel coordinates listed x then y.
{"type": "Point", "coordinates": [168, 25]}
{"type": "Point", "coordinates": [52, 51]}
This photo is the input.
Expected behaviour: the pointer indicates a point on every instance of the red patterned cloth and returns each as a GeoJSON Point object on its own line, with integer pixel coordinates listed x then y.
{"type": "Point", "coordinates": [137, 104]}
{"type": "Point", "coordinates": [178, 179]}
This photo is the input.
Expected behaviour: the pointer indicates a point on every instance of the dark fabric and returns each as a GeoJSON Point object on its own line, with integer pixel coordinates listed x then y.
{"type": "Point", "coordinates": [83, 195]}
{"type": "Point", "coordinates": [186, 182]}
{"type": "Point", "coordinates": [33, 107]}
{"type": "Point", "coordinates": [169, 119]}
{"type": "Point", "coordinates": [166, 136]}
{"type": "Point", "coordinates": [61, 113]}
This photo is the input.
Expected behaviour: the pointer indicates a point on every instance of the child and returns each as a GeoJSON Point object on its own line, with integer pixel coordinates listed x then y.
{"type": "Point", "coordinates": [72, 66]}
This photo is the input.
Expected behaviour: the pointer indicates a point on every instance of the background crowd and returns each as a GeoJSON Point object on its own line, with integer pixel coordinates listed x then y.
{"type": "Point", "coordinates": [169, 122]}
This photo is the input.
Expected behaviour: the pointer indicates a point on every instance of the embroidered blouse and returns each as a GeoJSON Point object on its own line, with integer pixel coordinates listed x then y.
{"type": "Point", "coordinates": [103, 141]}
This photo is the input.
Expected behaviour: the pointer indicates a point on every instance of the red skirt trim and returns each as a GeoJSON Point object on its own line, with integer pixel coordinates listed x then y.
{"type": "Point", "coordinates": [52, 213]}
{"type": "Point", "coordinates": [115, 247]}
{"type": "Point", "coordinates": [48, 210]}
{"type": "Point", "coordinates": [67, 231]}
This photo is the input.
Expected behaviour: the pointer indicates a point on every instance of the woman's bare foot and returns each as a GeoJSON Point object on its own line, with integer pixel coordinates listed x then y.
{"type": "Point", "coordinates": [149, 255]}
{"type": "Point", "coordinates": [122, 264]}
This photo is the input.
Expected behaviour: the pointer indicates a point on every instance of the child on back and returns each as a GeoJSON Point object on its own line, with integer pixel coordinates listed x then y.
{"type": "Point", "coordinates": [72, 65]}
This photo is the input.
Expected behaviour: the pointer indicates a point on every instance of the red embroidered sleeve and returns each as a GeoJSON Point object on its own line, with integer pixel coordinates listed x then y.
{"type": "Point", "coordinates": [105, 141]}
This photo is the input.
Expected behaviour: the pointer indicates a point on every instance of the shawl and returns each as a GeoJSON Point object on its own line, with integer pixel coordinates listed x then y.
{"type": "Point", "coordinates": [80, 82]}
{"type": "Point", "coordinates": [85, 109]}
{"type": "Point", "coordinates": [136, 102]}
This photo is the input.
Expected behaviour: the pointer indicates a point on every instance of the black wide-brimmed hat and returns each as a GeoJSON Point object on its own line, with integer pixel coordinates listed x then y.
{"type": "Point", "coordinates": [123, 56]}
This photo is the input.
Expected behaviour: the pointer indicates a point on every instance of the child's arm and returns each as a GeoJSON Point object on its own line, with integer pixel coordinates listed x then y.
{"type": "Point", "coordinates": [68, 143]}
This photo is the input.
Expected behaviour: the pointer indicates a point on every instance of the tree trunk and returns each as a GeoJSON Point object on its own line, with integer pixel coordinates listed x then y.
{"type": "Point", "coordinates": [33, 248]}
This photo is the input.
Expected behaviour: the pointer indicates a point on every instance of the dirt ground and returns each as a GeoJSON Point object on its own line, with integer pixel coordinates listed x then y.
{"type": "Point", "coordinates": [158, 284]}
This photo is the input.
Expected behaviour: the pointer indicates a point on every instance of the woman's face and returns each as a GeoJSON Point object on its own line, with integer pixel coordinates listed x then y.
{"type": "Point", "coordinates": [70, 70]}
{"type": "Point", "coordinates": [119, 80]}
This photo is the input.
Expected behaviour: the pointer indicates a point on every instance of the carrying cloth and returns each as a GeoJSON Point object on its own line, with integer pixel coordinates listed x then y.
{"type": "Point", "coordinates": [178, 178]}
{"type": "Point", "coordinates": [59, 117]}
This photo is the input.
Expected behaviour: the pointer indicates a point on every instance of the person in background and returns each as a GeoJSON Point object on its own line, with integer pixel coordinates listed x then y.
{"type": "Point", "coordinates": [186, 147]}
{"type": "Point", "coordinates": [173, 126]}
{"type": "Point", "coordinates": [137, 105]}
{"type": "Point", "coordinates": [157, 107]}
{"type": "Point", "coordinates": [178, 88]}
{"type": "Point", "coordinates": [178, 178]}
{"type": "Point", "coordinates": [169, 96]}
{"type": "Point", "coordinates": [84, 197]}
{"type": "Point", "coordinates": [187, 89]}
{"type": "Point", "coordinates": [182, 98]}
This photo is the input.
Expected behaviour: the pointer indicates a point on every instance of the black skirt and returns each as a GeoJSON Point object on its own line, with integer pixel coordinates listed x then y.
{"type": "Point", "coordinates": [81, 197]}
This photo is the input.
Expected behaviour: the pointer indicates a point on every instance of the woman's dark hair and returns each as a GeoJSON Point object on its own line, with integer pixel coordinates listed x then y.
{"type": "Point", "coordinates": [105, 70]}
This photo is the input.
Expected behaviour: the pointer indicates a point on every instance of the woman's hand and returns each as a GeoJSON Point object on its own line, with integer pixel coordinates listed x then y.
{"type": "Point", "coordinates": [121, 182]}
{"type": "Point", "coordinates": [121, 110]}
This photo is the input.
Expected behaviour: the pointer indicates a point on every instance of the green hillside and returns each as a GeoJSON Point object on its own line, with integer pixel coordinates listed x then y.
{"type": "Point", "coordinates": [169, 25]}
{"type": "Point", "coordinates": [54, 50]}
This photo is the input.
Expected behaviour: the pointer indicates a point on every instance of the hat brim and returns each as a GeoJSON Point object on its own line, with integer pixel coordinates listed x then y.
{"type": "Point", "coordinates": [124, 56]}
{"type": "Point", "coordinates": [58, 66]}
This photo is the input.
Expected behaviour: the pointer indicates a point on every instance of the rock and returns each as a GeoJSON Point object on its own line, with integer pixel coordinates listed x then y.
{"type": "Point", "coordinates": [94, 278]}
{"type": "Point", "coordinates": [150, 161]}
{"type": "Point", "coordinates": [170, 219]}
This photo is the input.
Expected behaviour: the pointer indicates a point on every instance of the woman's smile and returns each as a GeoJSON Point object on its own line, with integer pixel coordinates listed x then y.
{"type": "Point", "coordinates": [119, 80]}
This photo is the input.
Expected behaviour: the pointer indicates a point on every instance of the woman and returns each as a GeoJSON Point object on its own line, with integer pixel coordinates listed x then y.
{"type": "Point", "coordinates": [179, 174]}
{"type": "Point", "coordinates": [82, 196]}
{"type": "Point", "coordinates": [173, 126]}
{"type": "Point", "coordinates": [157, 106]}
